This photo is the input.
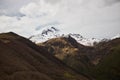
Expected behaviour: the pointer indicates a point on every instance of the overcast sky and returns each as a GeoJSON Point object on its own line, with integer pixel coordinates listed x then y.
{"type": "Point", "coordinates": [90, 18]}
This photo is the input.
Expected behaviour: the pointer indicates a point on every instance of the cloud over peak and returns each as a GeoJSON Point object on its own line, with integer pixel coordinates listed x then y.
{"type": "Point", "coordinates": [91, 18]}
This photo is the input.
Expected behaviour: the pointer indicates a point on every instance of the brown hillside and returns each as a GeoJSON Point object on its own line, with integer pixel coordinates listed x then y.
{"type": "Point", "coordinates": [20, 59]}
{"type": "Point", "coordinates": [70, 52]}
{"type": "Point", "coordinates": [103, 49]}
{"type": "Point", "coordinates": [108, 53]}
{"type": "Point", "coordinates": [87, 60]}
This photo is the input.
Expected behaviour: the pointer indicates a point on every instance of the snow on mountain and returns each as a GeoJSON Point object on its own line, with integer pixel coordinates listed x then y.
{"type": "Point", "coordinates": [84, 41]}
{"type": "Point", "coordinates": [52, 32]}
{"type": "Point", "coordinates": [117, 36]}
{"type": "Point", "coordinates": [45, 34]}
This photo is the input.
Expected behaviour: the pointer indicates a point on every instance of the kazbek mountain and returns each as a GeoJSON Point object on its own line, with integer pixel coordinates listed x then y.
{"type": "Point", "coordinates": [21, 59]}
{"type": "Point", "coordinates": [52, 32]}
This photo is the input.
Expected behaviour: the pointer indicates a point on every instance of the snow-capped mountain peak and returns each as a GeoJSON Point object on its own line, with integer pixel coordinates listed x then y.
{"type": "Point", "coordinates": [45, 34]}
{"type": "Point", "coordinates": [49, 30]}
{"type": "Point", "coordinates": [52, 32]}
{"type": "Point", "coordinates": [84, 41]}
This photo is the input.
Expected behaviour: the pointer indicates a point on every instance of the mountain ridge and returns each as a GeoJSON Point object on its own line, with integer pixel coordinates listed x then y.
{"type": "Point", "coordinates": [89, 60]}
{"type": "Point", "coordinates": [20, 59]}
{"type": "Point", "coordinates": [60, 58]}
{"type": "Point", "coordinates": [52, 32]}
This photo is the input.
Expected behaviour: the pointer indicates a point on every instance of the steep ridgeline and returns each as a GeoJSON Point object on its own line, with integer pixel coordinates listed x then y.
{"type": "Point", "coordinates": [108, 54]}
{"type": "Point", "coordinates": [99, 61]}
{"type": "Point", "coordinates": [52, 32]}
{"type": "Point", "coordinates": [68, 50]}
{"type": "Point", "coordinates": [20, 59]}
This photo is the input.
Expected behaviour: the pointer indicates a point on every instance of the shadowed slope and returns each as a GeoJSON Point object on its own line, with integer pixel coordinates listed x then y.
{"type": "Point", "coordinates": [108, 67]}
{"type": "Point", "coordinates": [20, 59]}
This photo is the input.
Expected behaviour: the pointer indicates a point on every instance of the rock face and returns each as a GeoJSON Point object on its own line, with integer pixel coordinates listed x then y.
{"type": "Point", "coordinates": [20, 59]}
{"type": "Point", "coordinates": [52, 32]}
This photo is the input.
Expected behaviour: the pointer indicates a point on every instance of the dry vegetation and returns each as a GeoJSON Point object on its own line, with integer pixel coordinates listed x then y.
{"type": "Point", "coordinates": [99, 61]}
{"type": "Point", "coordinates": [20, 59]}
{"type": "Point", "coordinates": [58, 59]}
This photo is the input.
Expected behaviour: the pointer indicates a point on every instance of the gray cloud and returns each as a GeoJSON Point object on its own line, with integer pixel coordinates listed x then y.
{"type": "Point", "coordinates": [80, 16]}
{"type": "Point", "coordinates": [111, 2]}
{"type": "Point", "coordinates": [54, 23]}
{"type": "Point", "coordinates": [53, 1]}
{"type": "Point", "coordinates": [11, 7]}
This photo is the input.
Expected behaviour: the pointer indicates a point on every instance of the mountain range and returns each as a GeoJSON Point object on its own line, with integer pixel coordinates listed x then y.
{"type": "Point", "coordinates": [100, 61]}
{"type": "Point", "coordinates": [52, 32]}
{"type": "Point", "coordinates": [58, 58]}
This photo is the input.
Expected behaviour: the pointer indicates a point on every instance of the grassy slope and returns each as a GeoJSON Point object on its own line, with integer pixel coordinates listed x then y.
{"type": "Point", "coordinates": [109, 67]}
